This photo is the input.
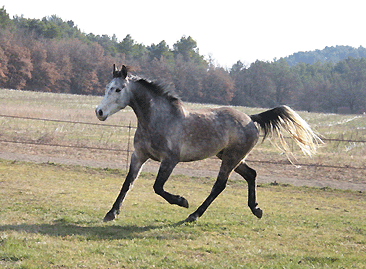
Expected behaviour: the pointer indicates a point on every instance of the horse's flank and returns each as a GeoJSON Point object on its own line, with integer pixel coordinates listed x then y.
{"type": "Point", "coordinates": [208, 132]}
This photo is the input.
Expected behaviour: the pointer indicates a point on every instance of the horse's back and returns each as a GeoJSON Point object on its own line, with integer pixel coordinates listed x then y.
{"type": "Point", "coordinates": [207, 132]}
{"type": "Point", "coordinates": [239, 126]}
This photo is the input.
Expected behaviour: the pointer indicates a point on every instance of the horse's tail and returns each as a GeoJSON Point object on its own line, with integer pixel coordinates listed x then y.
{"type": "Point", "coordinates": [273, 121]}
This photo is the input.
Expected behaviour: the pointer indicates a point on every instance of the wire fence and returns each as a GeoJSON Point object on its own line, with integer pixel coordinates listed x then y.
{"type": "Point", "coordinates": [128, 150]}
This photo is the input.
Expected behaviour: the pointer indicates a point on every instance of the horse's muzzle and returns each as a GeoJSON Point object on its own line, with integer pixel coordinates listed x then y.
{"type": "Point", "coordinates": [100, 114]}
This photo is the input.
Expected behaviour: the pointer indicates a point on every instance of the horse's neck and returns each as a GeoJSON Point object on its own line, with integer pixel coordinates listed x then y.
{"type": "Point", "coordinates": [141, 107]}
{"type": "Point", "coordinates": [146, 107]}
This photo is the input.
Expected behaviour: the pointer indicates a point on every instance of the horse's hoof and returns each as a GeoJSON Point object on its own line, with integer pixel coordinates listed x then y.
{"type": "Point", "coordinates": [257, 212]}
{"type": "Point", "coordinates": [184, 203]}
{"type": "Point", "coordinates": [191, 218]}
{"type": "Point", "coordinates": [109, 217]}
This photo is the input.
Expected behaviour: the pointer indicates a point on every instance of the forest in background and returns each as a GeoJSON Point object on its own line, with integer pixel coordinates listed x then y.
{"type": "Point", "coordinates": [54, 55]}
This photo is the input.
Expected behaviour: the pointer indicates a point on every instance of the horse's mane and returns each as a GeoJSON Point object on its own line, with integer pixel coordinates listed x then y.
{"type": "Point", "coordinates": [158, 89]}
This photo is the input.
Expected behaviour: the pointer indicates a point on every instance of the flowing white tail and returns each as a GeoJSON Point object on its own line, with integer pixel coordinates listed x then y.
{"type": "Point", "coordinates": [273, 121]}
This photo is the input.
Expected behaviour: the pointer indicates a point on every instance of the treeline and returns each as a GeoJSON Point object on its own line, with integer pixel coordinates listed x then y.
{"type": "Point", "coordinates": [328, 54]}
{"type": "Point", "coordinates": [54, 55]}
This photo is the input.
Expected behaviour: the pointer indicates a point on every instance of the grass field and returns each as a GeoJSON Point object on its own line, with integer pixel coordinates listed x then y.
{"type": "Point", "coordinates": [51, 218]}
{"type": "Point", "coordinates": [51, 214]}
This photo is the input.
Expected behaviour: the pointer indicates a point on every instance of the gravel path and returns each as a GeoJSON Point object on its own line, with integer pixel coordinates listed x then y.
{"type": "Point", "coordinates": [151, 166]}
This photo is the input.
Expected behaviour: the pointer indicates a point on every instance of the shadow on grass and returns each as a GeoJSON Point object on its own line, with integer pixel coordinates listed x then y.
{"type": "Point", "coordinates": [107, 232]}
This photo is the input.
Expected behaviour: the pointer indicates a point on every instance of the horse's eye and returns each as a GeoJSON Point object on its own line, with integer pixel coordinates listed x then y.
{"type": "Point", "coordinates": [118, 90]}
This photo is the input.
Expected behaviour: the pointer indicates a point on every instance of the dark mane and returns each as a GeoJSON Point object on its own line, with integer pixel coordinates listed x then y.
{"type": "Point", "coordinates": [159, 89]}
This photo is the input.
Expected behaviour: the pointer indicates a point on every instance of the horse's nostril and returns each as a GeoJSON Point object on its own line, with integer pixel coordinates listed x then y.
{"type": "Point", "coordinates": [100, 112]}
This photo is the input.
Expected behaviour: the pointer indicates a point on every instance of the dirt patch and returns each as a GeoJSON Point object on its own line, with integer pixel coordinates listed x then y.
{"type": "Point", "coordinates": [197, 169]}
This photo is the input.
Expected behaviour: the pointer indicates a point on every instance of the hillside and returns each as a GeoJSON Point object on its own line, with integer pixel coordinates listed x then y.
{"type": "Point", "coordinates": [328, 54]}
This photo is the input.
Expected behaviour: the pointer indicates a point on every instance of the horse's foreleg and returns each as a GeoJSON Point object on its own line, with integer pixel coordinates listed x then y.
{"type": "Point", "coordinates": [135, 167]}
{"type": "Point", "coordinates": [165, 170]}
{"type": "Point", "coordinates": [249, 174]}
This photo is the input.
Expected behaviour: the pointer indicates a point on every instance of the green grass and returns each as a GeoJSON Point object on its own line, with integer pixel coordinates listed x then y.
{"type": "Point", "coordinates": [51, 218]}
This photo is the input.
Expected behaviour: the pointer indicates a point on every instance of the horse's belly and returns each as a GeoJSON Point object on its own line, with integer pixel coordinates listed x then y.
{"type": "Point", "coordinates": [199, 151]}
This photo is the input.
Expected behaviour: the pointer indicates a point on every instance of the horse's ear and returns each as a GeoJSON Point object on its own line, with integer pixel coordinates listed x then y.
{"type": "Point", "coordinates": [114, 70]}
{"type": "Point", "coordinates": [124, 71]}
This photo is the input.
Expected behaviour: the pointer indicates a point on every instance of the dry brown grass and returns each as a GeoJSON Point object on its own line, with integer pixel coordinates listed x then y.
{"type": "Point", "coordinates": [81, 109]}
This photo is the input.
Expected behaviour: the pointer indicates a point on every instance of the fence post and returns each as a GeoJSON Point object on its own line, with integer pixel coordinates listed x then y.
{"type": "Point", "coordinates": [128, 146]}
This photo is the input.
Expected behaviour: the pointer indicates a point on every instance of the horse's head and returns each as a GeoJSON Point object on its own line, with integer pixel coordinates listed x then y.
{"type": "Point", "coordinates": [117, 94]}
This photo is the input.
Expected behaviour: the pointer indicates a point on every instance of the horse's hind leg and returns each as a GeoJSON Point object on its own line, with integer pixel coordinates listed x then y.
{"type": "Point", "coordinates": [249, 174]}
{"type": "Point", "coordinates": [229, 162]}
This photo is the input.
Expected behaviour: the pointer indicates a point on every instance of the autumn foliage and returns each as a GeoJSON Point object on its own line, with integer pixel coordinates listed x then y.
{"type": "Point", "coordinates": [55, 56]}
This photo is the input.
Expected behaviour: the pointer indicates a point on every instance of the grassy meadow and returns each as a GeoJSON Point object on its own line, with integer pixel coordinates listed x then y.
{"type": "Point", "coordinates": [51, 217]}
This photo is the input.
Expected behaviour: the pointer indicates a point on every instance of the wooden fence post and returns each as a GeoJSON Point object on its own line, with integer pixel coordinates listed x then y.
{"type": "Point", "coordinates": [128, 147]}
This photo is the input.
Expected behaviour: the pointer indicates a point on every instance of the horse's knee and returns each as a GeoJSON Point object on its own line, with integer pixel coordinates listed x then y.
{"type": "Point", "coordinates": [171, 199]}
{"type": "Point", "coordinates": [158, 188]}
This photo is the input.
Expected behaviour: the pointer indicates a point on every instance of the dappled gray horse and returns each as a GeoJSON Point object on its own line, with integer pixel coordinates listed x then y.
{"type": "Point", "coordinates": [170, 133]}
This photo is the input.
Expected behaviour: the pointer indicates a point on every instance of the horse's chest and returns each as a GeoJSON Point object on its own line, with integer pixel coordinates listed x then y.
{"type": "Point", "coordinates": [156, 145]}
